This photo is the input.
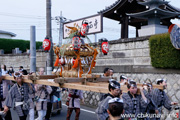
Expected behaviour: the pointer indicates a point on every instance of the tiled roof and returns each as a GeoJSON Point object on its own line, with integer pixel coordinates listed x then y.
{"type": "Point", "coordinates": [118, 2]}
{"type": "Point", "coordinates": [110, 7]}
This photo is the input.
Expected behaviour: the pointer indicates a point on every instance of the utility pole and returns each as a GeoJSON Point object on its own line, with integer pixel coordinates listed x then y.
{"type": "Point", "coordinates": [60, 19]}
{"type": "Point", "coordinates": [49, 36]}
{"type": "Point", "coordinates": [95, 40]}
{"type": "Point", "coordinates": [61, 29]}
{"type": "Point", "coordinates": [32, 49]}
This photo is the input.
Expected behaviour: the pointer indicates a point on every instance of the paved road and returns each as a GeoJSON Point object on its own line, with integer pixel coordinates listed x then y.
{"type": "Point", "coordinates": [87, 113]}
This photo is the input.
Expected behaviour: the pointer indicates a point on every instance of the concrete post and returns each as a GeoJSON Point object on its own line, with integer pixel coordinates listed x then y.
{"type": "Point", "coordinates": [49, 35]}
{"type": "Point", "coordinates": [61, 29]}
{"type": "Point", "coordinates": [32, 49]}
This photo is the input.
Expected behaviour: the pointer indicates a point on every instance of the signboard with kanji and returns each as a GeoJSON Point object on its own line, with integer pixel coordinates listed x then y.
{"type": "Point", "coordinates": [95, 23]}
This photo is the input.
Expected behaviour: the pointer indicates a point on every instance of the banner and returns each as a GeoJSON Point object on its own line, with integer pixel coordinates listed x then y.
{"type": "Point", "coordinates": [95, 23]}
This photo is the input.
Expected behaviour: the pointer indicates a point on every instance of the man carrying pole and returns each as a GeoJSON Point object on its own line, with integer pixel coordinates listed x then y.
{"type": "Point", "coordinates": [160, 97]}
{"type": "Point", "coordinates": [114, 91]}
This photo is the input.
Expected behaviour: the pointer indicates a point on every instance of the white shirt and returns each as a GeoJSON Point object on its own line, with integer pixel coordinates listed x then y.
{"type": "Point", "coordinates": [4, 72]}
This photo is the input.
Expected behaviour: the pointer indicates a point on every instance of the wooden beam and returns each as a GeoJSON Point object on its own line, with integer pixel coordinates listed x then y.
{"type": "Point", "coordinates": [101, 84]}
{"type": "Point", "coordinates": [68, 80]}
{"type": "Point", "coordinates": [101, 87]}
{"type": "Point", "coordinates": [90, 76]}
{"type": "Point", "coordinates": [85, 87]}
{"type": "Point", "coordinates": [154, 86]}
{"type": "Point", "coordinates": [103, 79]}
{"type": "Point", "coordinates": [12, 78]}
{"type": "Point", "coordinates": [46, 82]}
{"type": "Point", "coordinates": [42, 81]}
{"type": "Point", "coordinates": [47, 76]}
{"type": "Point", "coordinates": [93, 87]}
{"type": "Point", "coordinates": [39, 76]}
{"type": "Point", "coordinates": [104, 84]}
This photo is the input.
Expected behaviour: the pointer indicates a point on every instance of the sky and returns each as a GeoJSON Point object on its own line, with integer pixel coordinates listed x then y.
{"type": "Point", "coordinates": [18, 15]}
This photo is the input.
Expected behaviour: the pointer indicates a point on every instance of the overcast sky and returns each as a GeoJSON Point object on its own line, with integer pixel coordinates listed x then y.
{"type": "Point", "coordinates": [18, 15]}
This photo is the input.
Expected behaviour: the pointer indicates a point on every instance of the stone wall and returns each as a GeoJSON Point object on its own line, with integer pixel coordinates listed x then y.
{"type": "Point", "coordinates": [16, 60]}
{"type": "Point", "coordinates": [129, 56]}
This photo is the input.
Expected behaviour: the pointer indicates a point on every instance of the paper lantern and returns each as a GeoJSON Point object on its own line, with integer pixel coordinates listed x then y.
{"type": "Point", "coordinates": [174, 31]}
{"type": "Point", "coordinates": [84, 29]}
{"type": "Point", "coordinates": [105, 47]}
{"type": "Point", "coordinates": [76, 42]}
{"type": "Point", "coordinates": [46, 44]}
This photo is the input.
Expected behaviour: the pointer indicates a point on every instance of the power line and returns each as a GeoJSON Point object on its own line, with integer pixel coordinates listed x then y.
{"type": "Point", "coordinates": [21, 25]}
{"type": "Point", "coordinates": [22, 16]}
{"type": "Point", "coordinates": [22, 22]}
{"type": "Point", "coordinates": [55, 29]}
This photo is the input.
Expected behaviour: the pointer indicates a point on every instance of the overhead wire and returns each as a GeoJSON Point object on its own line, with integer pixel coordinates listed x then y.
{"type": "Point", "coordinates": [22, 15]}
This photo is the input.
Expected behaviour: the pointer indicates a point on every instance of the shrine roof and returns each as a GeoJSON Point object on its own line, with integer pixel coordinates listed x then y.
{"type": "Point", "coordinates": [121, 7]}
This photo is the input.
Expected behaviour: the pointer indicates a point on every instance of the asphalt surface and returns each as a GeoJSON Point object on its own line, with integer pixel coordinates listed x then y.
{"type": "Point", "coordinates": [87, 113]}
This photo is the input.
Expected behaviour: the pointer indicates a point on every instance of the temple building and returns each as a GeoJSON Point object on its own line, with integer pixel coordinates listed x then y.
{"type": "Point", "coordinates": [144, 15]}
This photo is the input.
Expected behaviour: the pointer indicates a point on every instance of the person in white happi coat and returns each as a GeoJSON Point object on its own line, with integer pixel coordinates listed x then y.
{"type": "Point", "coordinates": [4, 87]}
{"type": "Point", "coordinates": [18, 97]}
{"type": "Point", "coordinates": [74, 102]}
{"type": "Point", "coordinates": [42, 92]}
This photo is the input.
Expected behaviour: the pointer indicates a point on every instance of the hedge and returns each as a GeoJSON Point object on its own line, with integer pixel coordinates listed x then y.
{"type": "Point", "coordinates": [162, 52]}
{"type": "Point", "coordinates": [8, 44]}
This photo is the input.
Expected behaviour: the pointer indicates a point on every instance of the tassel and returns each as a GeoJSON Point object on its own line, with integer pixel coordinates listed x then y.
{"type": "Point", "coordinates": [93, 61]}
{"type": "Point", "coordinates": [94, 64]}
{"type": "Point", "coordinates": [60, 74]}
{"type": "Point", "coordinates": [56, 62]}
{"type": "Point", "coordinates": [75, 64]}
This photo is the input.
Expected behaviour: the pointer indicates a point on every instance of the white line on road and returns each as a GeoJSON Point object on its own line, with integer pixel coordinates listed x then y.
{"type": "Point", "coordinates": [83, 110]}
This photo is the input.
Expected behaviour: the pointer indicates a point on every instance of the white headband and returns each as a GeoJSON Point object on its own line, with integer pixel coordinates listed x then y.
{"type": "Point", "coordinates": [20, 74]}
{"type": "Point", "coordinates": [114, 85]}
{"type": "Point", "coordinates": [116, 99]}
{"type": "Point", "coordinates": [123, 77]}
{"type": "Point", "coordinates": [161, 80]}
{"type": "Point", "coordinates": [132, 83]}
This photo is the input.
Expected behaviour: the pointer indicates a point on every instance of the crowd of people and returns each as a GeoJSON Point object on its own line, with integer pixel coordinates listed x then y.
{"type": "Point", "coordinates": [145, 105]}
{"type": "Point", "coordinates": [24, 98]}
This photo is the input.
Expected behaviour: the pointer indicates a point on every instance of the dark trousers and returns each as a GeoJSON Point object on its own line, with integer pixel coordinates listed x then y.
{"type": "Point", "coordinates": [69, 112]}
{"type": "Point", "coordinates": [8, 115]}
{"type": "Point", "coordinates": [48, 112]}
{"type": "Point", "coordinates": [22, 117]}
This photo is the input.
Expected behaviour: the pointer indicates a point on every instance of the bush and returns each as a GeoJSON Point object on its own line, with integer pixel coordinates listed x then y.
{"type": "Point", "coordinates": [162, 52]}
{"type": "Point", "coordinates": [8, 44]}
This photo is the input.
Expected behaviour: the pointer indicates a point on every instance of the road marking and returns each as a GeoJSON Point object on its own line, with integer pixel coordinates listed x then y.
{"type": "Point", "coordinates": [83, 110]}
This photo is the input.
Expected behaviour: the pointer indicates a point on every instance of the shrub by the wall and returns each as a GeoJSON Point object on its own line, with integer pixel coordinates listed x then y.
{"type": "Point", "coordinates": [162, 52]}
{"type": "Point", "coordinates": [8, 44]}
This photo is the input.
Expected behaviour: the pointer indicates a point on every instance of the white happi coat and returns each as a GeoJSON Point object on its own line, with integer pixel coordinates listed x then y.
{"type": "Point", "coordinates": [76, 100]}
